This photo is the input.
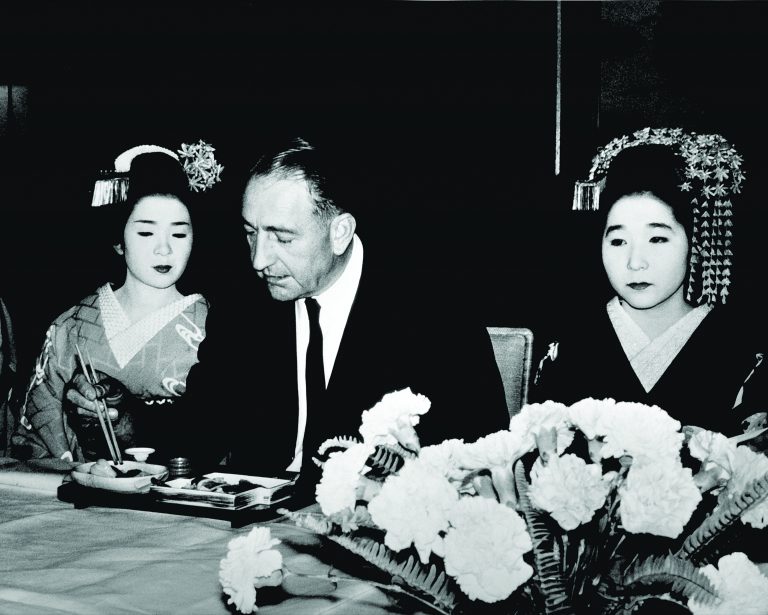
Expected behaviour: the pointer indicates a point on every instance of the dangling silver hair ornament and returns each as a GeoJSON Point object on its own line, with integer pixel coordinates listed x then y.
{"type": "Point", "coordinates": [713, 174]}
{"type": "Point", "coordinates": [197, 160]}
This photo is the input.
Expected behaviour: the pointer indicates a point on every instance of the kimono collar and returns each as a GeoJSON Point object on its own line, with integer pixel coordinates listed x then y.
{"type": "Point", "coordinates": [126, 339]}
{"type": "Point", "coordinates": [651, 358]}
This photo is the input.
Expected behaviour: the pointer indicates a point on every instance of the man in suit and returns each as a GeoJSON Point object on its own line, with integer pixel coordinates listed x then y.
{"type": "Point", "coordinates": [276, 378]}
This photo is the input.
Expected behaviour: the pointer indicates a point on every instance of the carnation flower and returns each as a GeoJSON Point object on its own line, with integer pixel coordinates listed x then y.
{"type": "Point", "coordinates": [250, 563]}
{"type": "Point", "coordinates": [587, 415]}
{"type": "Point", "coordinates": [747, 467]}
{"type": "Point", "coordinates": [712, 448]}
{"type": "Point", "coordinates": [646, 433]}
{"type": "Point", "coordinates": [445, 458]}
{"type": "Point", "coordinates": [568, 488]}
{"type": "Point", "coordinates": [484, 549]}
{"type": "Point", "coordinates": [413, 507]}
{"type": "Point", "coordinates": [392, 419]}
{"type": "Point", "coordinates": [716, 453]}
{"type": "Point", "coordinates": [534, 420]}
{"type": "Point", "coordinates": [658, 498]}
{"type": "Point", "coordinates": [739, 583]}
{"type": "Point", "coordinates": [337, 489]}
{"type": "Point", "coordinates": [497, 449]}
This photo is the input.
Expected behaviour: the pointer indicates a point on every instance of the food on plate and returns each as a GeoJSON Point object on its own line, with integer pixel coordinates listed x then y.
{"type": "Point", "coordinates": [220, 485]}
{"type": "Point", "coordinates": [209, 484]}
{"type": "Point", "coordinates": [102, 468]}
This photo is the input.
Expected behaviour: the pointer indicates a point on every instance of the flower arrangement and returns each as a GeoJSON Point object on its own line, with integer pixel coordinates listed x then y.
{"type": "Point", "coordinates": [573, 509]}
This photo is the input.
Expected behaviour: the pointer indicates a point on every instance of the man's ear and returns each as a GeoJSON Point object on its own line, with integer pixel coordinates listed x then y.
{"type": "Point", "coordinates": [342, 231]}
{"type": "Point", "coordinates": [119, 249]}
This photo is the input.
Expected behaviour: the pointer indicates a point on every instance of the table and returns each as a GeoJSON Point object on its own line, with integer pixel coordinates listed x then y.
{"type": "Point", "coordinates": [56, 559]}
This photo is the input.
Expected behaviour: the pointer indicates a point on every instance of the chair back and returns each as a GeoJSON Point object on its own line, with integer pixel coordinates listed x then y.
{"type": "Point", "coordinates": [513, 347]}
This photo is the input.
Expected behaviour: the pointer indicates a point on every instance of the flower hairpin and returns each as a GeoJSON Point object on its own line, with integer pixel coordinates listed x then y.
{"type": "Point", "coordinates": [200, 165]}
{"type": "Point", "coordinates": [197, 159]}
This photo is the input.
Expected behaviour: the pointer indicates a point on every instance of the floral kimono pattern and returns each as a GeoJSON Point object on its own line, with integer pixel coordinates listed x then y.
{"type": "Point", "coordinates": [151, 357]}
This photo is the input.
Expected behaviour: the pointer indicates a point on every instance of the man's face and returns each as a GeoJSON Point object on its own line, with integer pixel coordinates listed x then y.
{"type": "Point", "coordinates": [291, 247]}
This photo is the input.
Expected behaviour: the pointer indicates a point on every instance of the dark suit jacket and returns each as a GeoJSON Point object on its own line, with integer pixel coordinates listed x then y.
{"type": "Point", "coordinates": [242, 397]}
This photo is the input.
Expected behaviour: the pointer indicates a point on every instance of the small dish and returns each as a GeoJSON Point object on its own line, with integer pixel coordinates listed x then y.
{"type": "Point", "coordinates": [134, 484]}
{"type": "Point", "coordinates": [140, 453]}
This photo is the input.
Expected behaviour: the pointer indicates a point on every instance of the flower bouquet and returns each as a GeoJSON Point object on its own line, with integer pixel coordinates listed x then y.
{"type": "Point", "coordinates": [598, 507]}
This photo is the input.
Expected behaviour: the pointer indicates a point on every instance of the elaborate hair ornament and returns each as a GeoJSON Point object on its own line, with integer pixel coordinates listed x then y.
{"type": "Point", "coordinates": [200, 165]}
{"type": "Point", "coordinates": [713, 173]}
{"type": "Point", "coordinates": [197, 160]}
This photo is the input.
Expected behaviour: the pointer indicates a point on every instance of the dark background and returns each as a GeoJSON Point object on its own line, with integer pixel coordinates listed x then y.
{"type": "Point", "coordinates": [442, 113]}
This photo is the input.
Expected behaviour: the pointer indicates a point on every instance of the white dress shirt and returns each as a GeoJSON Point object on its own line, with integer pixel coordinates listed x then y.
{"type": "Point", "coordinates": [335, 305]}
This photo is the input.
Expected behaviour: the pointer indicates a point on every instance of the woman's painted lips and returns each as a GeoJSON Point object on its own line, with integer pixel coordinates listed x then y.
{"type": "Point", "coordinates": [162, 268]}
{"type": "Point", "coordinates": [638, 285]}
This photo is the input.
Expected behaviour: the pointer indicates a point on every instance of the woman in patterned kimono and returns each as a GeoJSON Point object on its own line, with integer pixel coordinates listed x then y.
{"type": "Point", "coordinates": [665, 339]}
{"type": "Point", "coordinates": [144, 332]}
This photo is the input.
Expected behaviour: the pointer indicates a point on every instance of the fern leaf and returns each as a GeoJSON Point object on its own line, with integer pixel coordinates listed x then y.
{"type": "Point", "coordinates": [389, 458]}
{"type": "Point", "coordinates": [314, 522]}
{"type": "Point", "coordinates": [343, 442]}
{"type": "Point", "coordinates": [430, 578]}
{"type": "Point", "coordinates": [409, 567]}
{"type": "Point", "coordinates": [700, 546]}
{"type": "Point", "coordinates": [547, 569]}
{"type": "Point", "coordinates": [668, 574]}
{"type": "Point", "coordinates": [412, 572]}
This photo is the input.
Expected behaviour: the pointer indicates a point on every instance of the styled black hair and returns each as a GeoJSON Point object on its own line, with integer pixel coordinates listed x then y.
{"type": "Point", "coordinates": [151, 174]}
{"type": "Point", "coordinates": [653, 169]}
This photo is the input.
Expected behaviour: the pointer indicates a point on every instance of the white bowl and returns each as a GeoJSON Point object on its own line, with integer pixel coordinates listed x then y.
{"type": "Point", "coordinates": [140, 453]}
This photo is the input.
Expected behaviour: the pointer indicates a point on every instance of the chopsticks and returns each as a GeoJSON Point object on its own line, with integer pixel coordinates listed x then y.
{"type": "Point", "coordinates": [101, 410]}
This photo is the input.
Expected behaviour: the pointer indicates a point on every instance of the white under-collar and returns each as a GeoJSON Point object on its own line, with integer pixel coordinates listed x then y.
{"type": "Point", "coordinates": [126, 339]}
{"type": "Point", "coordinates": [650, 358]}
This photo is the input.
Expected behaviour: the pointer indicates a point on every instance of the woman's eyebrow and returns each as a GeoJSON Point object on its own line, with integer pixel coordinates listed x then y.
{"type": "Point", "coordinates": [179, 223]}
{"type": "Point", "coordinates": [660, 225]}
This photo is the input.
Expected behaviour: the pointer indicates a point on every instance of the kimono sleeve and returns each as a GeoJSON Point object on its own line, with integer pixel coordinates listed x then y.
{"type": "Point", "coordinates": [43, 427]}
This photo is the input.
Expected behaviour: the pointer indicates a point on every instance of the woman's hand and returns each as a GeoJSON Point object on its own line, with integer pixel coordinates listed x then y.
{"type": "Point", "coordinates": [85, 397]}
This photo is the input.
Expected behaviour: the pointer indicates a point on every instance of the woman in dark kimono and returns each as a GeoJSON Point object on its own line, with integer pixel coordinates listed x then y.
{"type": "Point", "coordinates": [143, 332]}
{"type": "Point", "coordinates": [665, 339]}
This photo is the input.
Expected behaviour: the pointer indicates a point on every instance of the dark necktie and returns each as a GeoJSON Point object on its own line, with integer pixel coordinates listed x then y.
{"type": "Point", "coordinates": [315, 381]}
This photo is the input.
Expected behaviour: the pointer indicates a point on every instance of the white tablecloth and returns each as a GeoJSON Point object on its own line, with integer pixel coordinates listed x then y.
{"type": "Point", "coordinates": [55, 559]}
